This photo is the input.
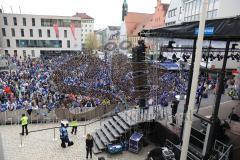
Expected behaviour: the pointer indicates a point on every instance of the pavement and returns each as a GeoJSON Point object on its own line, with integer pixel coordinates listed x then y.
{"type": "Point", "coordinates": [42, 146]}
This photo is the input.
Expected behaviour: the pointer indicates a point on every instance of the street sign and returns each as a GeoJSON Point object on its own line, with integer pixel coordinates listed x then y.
{"type": "Point", "coordinates": [207, 32]}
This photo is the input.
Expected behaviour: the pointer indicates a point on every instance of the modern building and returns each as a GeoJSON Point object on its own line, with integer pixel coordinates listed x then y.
{"type": "Point", "coordinates": [189, 10]}
{"type": "Point", "coordinates": [180, 11]}
{"type": "Point", "coordinates": [25, 35]}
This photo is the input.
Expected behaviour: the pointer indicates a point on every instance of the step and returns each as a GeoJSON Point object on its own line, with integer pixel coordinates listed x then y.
{"type": "Point", "coordinates": [112, 130]}
{"type": "Point", "coordinates": [95, 148]}
{"type": "Point", "coordinates": [98, 142]}
{"type": "Point", "coordinates": [102, 137]}
{"type": "Point", "coordinates": [121, 122]}
{"type": "Point", "coordinates": [127, 119]}
{"type": "Point", "coordinates": [116, 126]}
{"type": "Point", "coordinates": [108, 134]}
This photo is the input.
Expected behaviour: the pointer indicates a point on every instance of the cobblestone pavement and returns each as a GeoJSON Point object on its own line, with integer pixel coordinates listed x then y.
{"type": "Point", "coordinates": [41, 146]}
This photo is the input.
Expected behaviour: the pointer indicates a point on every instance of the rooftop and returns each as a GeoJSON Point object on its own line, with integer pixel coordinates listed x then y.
{"type": "Point", "coordinates": [83, 16]}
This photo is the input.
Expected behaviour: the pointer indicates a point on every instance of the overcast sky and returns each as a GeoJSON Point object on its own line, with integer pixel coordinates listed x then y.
{"type": "Point", "coordinates": [105, 12]}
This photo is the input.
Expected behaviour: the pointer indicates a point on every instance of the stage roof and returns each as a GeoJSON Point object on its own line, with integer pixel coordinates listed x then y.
{"type": "Point", "coordinates": [217, 29]}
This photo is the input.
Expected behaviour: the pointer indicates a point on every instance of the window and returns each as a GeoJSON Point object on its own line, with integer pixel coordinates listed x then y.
{"type": "Point", "coordinates": [8, 43]}
{"type": "Point", "coordinates": [22, 43]}
{"type": "Point", "coordinates": [31, 33]}
{"type": "Point", "coordinates": [14, 21]}
{"type": "Point", "coordinates": [33, 53]}
{"type": "Point", "coordinates": [24, 54]}
{"type": "Point", "coordinates": [5, 21]}
{"type": "Point", "coordinates": [15, 53]}
{"type": "Point", "coordinates": [85, 30]}
{"type": "Point", "coordinates": [24, 22]}
{"type": "Point", "coordinates": [40, 33]}
{"type": "Point", "coordinates": [33, 21]}
{"type": "Point", "coordinates": [6, 52]}
{"type": "Point", "coordinates": [13, 32]}
{"type": "Point", "coordinates": [3, 32]}
{"type": "Point", "coordinates": [68, 44]}
{"type": "Point", "coordinates": [48, 33]}
{"type": "Point", "coordinates": [17, 43]}
{"type": "Point", "coordinates": [22, 32]}
{"type": "Point", "coordinates": [65, 33]}
{"type": "Point", "coordinates": [86, 25]}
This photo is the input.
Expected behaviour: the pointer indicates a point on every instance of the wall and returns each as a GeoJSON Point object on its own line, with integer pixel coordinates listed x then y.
{"type": "Point", "coordinates": [75, 44]}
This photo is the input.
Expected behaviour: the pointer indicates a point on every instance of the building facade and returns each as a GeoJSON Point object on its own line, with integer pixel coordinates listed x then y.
{"type": "Point", "coordinates": [190, 10]}
{"type": "Point", "coordinates": [24, 35]}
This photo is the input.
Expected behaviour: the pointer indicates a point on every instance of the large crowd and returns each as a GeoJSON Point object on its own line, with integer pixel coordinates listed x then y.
{"type": "Point", "coordinates": [83, 81]}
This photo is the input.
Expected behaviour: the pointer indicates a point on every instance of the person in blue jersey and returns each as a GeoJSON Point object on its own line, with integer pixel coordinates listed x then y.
{"type": "Point", "coordinates": [64, 134]}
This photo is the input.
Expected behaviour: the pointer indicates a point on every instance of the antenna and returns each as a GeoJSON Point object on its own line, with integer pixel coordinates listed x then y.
{"type": "Point", "coordinates": [2, 8]}
{"type": "Point", "coordinates": [20, 11]}
{"type": "Point", "coordinates": [11, 9]}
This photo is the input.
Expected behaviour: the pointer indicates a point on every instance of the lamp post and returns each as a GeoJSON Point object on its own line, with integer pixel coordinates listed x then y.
{"type": "Point", "coordinates": [198, 56]}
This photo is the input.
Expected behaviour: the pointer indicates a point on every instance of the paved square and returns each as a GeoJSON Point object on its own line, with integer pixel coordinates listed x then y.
{"type": "Point", "coordinates": [40, 145]}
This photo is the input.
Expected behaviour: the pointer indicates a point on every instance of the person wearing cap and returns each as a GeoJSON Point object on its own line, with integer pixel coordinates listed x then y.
{"type": "Point", "coordinates": [24, 122]}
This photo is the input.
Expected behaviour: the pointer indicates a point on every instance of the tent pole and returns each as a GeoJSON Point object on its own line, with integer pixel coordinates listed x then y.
{"type": "Point", "coordinates": [198, 57]}
{"type": "Point", "coordinates": [189, 88]}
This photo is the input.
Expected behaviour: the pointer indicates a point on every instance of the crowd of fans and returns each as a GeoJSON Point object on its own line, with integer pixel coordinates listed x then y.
{"type": "Point", "coordinates": [84, 82]}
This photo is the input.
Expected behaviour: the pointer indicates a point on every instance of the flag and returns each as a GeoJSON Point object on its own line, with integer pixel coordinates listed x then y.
{"type": "Point", "coordinates": [72, 26]}
{"type": "Point", "coordinates": [55, 27]}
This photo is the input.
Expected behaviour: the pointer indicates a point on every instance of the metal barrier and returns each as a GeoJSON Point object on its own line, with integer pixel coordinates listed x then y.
{"type": "Point", "coordinates": [222, 149]}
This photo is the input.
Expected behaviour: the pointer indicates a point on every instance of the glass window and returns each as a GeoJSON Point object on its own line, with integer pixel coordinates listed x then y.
{"type": "Point", "coordinates": [3, 32]}
{"type": "Point", "coordinates": [65, 33]}
{"type": "Point", "coordinates": [8, 43]}
{"type": "Point", "coordinates": [210, 5]}
{"type": "Point", "coordinates": [39, 43]}
{"type": "Point", "coordinates": [24, 53]}
{"type": "Point", "coordinates": [15, 53]}
{"type": "Point", "coordinates": [17, 43]}
{"type": "Point", "coordinates": [33, 21]}
{"type": "Point", "coordinates": [216, 4]}
{"type": "Point", "coordinates": [14, 21]}
{"type": "Point", "coordinates": [68, 44]}
{"type": "Point", "coordinates": [13, 32]}
{"type": "Point", "coordinates": [24, 22]}
{"type": "Point", "coordinates": [6, 52]}
{"type": "Point", "coordinates": [33, 53]}
{"type": "Point", "coordinates": [40, 33]}
{"type": "Point", "coordinates": [31, 33]}
{"type": "Point", "coordinates": [5, 21]}
{"type": "Point", "coordinates": [22, 32]}
{"type": "Point", "coordinates": [48, 33]}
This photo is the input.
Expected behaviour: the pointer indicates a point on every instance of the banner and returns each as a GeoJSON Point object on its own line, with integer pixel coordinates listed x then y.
{"type": "Point", "coordinates": [72, 26]}
{"type": "Point", "coordinates": [55, 27]}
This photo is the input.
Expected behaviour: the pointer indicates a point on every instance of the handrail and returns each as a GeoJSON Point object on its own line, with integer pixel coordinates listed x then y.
{"type": "Point", "coordinates": [225, 153]}
{"type": "Point", "coordinates": [80, 125]}
{"type": "Point", "coordinates": [54, 135]}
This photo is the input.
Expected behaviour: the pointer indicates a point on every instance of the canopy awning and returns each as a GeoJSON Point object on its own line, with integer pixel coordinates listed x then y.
{"type": "Point", "coordinates": [216, 29]}
{"type": "Point", "coordinates": [169, 66]}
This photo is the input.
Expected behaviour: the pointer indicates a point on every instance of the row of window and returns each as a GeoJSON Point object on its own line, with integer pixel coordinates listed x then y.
{"type": "Point", "coordinates": [193, 7]}
{"type": "Point", "coordinates": [15, 22]}
{"type": "Point", "coordinates": [172, 12]}
{"type": "Point", "coordinates": [24, 53]}
{"type": "Point", "coordinates": [210, 15]}
{"type": "Point", "coordinates": [30, 33]}
{"type": "Point", "coordinates": [47, 22]}
{"type": "Point", "coordinates": [60, 22]}
{"type": "Point", "coordinates": [39, 43]}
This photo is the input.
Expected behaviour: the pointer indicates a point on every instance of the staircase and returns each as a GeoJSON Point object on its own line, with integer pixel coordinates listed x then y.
{"type": "Point", "coordinates": [112, 131]}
